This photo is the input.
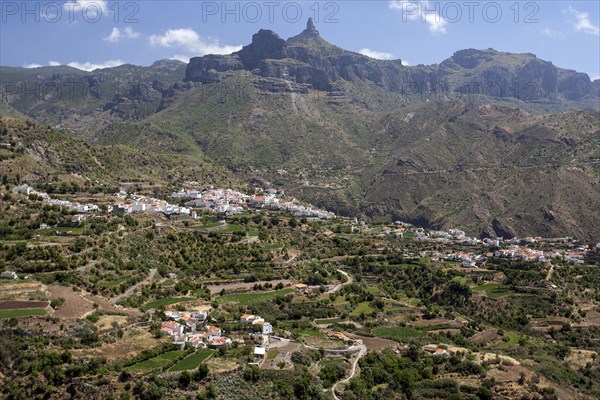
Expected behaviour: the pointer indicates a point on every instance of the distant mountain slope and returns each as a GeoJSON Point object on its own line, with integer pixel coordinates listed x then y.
{"type": "Point", "coordinates": [309, 59]}
{"type": "Point", "coordinates": [495, 170]}
{"type": "Point", "coordinates": [31, 152]}
{"type": "Point", "coordinates": [490, 169]}
{"type": "Point", "coordinates": [353, 134]}
{"type": "Point", "coordinates": [83, 102]}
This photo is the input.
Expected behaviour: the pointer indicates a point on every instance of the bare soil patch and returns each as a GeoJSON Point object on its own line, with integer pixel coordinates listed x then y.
{"type": "Point", "coordinates": [374, 343]}
{"type": "Point", "coordinates": [220, 366]}
{"type": "Point", "coordinates": [579, 358]}
{"type": "Point", "coordinates": [482, 357]}
{"type": "Point", "coordinates": [107, 322]}
{"type": "Point", "coordinates": [44, 323]}
{"type": "Point", "coordinates": [592, 318]}
{"type": "Point", "coordinates": [107, 306]}
{"type": "Point", "coordinates": [17, 304]}
{"type": "Point", "coordinates": [132, 344]}
{"type": "Point", "coordinates": [75, 305]}
{"type": "Point", "coordinates": [484, 337]}
{"type": "Point", "coordinates": [23, 291]}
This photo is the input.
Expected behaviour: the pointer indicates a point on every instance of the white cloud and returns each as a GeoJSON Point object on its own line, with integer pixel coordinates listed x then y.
{"type": "Point", "coordinates": [89, 5]}
{"type": "Point", "coordinates": [117, 34]}
{"type": "Point", "coordinates": [423, 10]}
{"type": "Point", "coordinates": [188, 39]}
{"type": "Point", "coordinates": [88, 66]}
{"type": "Point", "coordinates": [406, 63]}
{"type": "Point", "coordinates": [583, 23]}
{"type": "Point", "coordinates": [378, 55]}
{"type": "Point", "coordinates": [180, 57]}
{"type": "Point", "coordinates": [551, 33]}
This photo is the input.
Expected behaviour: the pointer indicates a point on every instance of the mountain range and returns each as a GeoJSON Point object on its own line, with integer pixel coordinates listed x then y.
{"type": "Point", "coordinates": [501, 144]}
{"type": "Point", "coordinates": [307, 59]}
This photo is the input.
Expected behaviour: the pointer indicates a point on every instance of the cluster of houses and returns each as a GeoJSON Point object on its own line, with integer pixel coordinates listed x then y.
{"type": "Point", "coordinates": [143, 204]}
{"type": "Point", "coordinates": [575, 257]}
{"type": "Point", "coordinates": [519, 252]}
{"type": "Point", "coordinates": [514, 248]}
{"type": "Point", "coordinates": [266, 329]}
{"type": "Point", "coordinates": [189, 329]}
{"type": "Point", "coordinates": [219, 201]}
{"type": "Point", "coordinates": [249, 319]}
{"type": "Point", "coordinates": [302, 211]}
{"type": "Point", "coordinates": [400, 229]}
{"type": "Point", "coordinates": [183, 326]}
{"type": "Point", "coordinates": [231, 202]}
{"type": "Point", "coordinates": [467, 260]}
{"type": "Point", "coordinates": [69, 205]}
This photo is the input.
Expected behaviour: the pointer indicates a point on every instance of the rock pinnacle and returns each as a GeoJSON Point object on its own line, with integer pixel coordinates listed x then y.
{"type": "Point", "coordinates": [310, 26]}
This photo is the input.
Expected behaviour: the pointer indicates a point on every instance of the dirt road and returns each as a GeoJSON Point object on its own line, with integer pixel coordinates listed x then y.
{"type": "Point", "coordinates": [132, 289]}
{"type": "Point", "coordinates": [361, 352]}
{"type": "Point", "coordinates": [337, 288]}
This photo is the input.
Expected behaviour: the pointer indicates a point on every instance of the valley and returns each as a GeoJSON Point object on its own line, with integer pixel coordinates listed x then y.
{"type": "Point", "coordinates": [294, 220]}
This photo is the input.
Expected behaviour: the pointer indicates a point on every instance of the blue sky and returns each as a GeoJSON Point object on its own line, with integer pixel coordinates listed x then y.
{"type": "Point", "coordinates": [95, 33]}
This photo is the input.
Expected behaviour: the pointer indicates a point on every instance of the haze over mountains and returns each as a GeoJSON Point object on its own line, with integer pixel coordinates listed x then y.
{"type": "Point", "coordinates": [496, 143]}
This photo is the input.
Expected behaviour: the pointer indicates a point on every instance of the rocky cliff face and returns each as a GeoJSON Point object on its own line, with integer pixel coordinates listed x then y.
{"type": "Point", "coordinates": [309, 59]}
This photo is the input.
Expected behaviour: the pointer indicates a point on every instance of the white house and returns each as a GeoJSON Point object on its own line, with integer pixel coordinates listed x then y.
{"type": "Point", "coordinates": [267, 329]}
{"type": "Point", "coordinates": [193, 341]}
{"type": "Point", "coordinates": [169, 328]}
{"type": "Point", "coordinates": [213, 331]}
{"type": "Point", "coordinates": [139, 207]}
{"type": "Point", "coordinates": [23, 189]}
{"type": "Point", "coordinates": [260, 352]}
{"type": "Point", "coordinates": [218, 341]}
{"type": "Point", "coordinates": [9, 275]}
{"type": "Point", "coordinates": [200, 315]}
{"type": "Point", "coordinates": [179, 339]}
{"type": "Point", "coordinates": [247, 319]}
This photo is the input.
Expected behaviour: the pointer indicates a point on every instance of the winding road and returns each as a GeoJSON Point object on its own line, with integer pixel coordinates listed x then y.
{"type": "Point", "coordinates": [132, 289]}
{"type": "Point", "coordinates": [337, 288]}
{"type": "Point", "coordinates": [361, 352]}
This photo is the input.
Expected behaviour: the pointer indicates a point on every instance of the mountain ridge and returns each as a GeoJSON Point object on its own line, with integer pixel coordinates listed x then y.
{"type": "Point", "coordinates": [309, 59]}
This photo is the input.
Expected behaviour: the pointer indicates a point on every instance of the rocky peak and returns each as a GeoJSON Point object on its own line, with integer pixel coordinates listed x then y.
{"type": "Point", "coordinates": [309, 36]}
{"type": "Point", "coordinates": [169, 65]}
{"type": "Point", "coordinates": [266, 44]}
{"type": "Point", "coordinates": [310, 27]}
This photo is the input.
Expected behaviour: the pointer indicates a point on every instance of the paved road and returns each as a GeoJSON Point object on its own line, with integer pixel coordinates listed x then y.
{"type": "Point", "coordinates": [132, 289]}
{"type": "Point", "coordinates": [362, 352]}
{"type": "Point", "coordinates": [337, 288]}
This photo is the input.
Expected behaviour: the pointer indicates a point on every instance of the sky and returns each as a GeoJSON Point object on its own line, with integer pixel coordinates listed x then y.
{"type": "Point", "coordinates": [89, 34]}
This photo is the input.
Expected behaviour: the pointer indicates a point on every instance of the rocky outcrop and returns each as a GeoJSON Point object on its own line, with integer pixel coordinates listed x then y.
{"type": "Point", "coordinates": [308, 58]}
{"type": "Point", "coordinates": [206, 69]}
